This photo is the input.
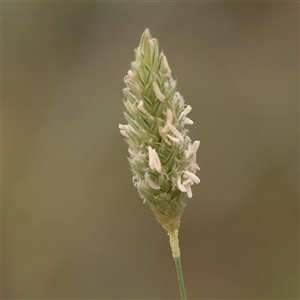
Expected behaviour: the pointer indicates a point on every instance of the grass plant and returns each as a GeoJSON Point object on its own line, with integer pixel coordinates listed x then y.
{"type": "Point", "coordinates": [162, 157]}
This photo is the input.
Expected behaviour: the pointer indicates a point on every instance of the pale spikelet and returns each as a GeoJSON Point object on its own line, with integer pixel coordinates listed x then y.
{"type": "Point", "coordinates": [162, 156]}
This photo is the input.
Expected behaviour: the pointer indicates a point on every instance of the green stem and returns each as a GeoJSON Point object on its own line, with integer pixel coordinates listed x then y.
{"type": "Point", "coordinates": [174, 242]}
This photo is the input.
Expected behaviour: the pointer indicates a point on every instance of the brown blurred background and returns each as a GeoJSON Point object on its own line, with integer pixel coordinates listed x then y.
{"type": "Point", "coordinates": [74, 225]}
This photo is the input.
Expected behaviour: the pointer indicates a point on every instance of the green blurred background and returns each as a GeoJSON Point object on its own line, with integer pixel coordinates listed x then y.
{"type": "Point", "coordinates": [74, 225]}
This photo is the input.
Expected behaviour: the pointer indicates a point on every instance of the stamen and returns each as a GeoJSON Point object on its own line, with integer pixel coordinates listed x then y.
{"type": "Point", "coordinates": [163, 134]}
{"type": "Point", "coordinates": [169, 116]}
{"type": "Point", "coordinates": [189, 191]}
{"type": "Point", "coordinates": [180, 186]}
{"type": "Point", "coordinates": [157, 91]}
{"type": "Point", "coordinates": [167, 69]}
{"type": "Point", "coordinates": [123, 130]}
{"type": "Point", "coordinates": [174, 139]}
{"type": "Point", "coordinates": [176, 132]}
{"type": "Point", "coordinates": [196, 145]}
{"type": "Point", "coordinates": [169, 120]}
{"type": "Point", "coordinates": [185, 112]}
{"type": "Point", "coordinates": [192, 176]}
{"type": "Point", "coordinates": [188, 181]}
{"type": "Point", "coordinates": [142, 108]}
{"type": "Point", "coordinates": [154, 161]}
{"type": "Point", "coordinates": [188, 121]}
{"type": "Point", "coordinates": [125, 127]}
{"type": "Point", "coordinates": [151, 183]}
{"type": "Point", "coordinates": [196, 167]}
{"type": "Point", "coordinates": [169, 127]}
{"type": "Point", "coordinates": [124, 133]}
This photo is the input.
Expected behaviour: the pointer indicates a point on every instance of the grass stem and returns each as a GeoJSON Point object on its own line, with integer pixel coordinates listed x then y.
{"type": "Point", "coordinates": [174, 242]}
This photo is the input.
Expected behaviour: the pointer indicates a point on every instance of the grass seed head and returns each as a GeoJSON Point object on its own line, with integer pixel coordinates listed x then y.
{"type": "Point", "coordinates": [162, 156]}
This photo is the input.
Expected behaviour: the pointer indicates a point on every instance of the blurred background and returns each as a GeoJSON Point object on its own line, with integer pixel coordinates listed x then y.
{"type": "Point", "coordinates": [74, 226]}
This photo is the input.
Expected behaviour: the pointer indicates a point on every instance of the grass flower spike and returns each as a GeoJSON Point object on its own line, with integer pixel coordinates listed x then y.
{"type": "Point", "coordinates": [162, 156]}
